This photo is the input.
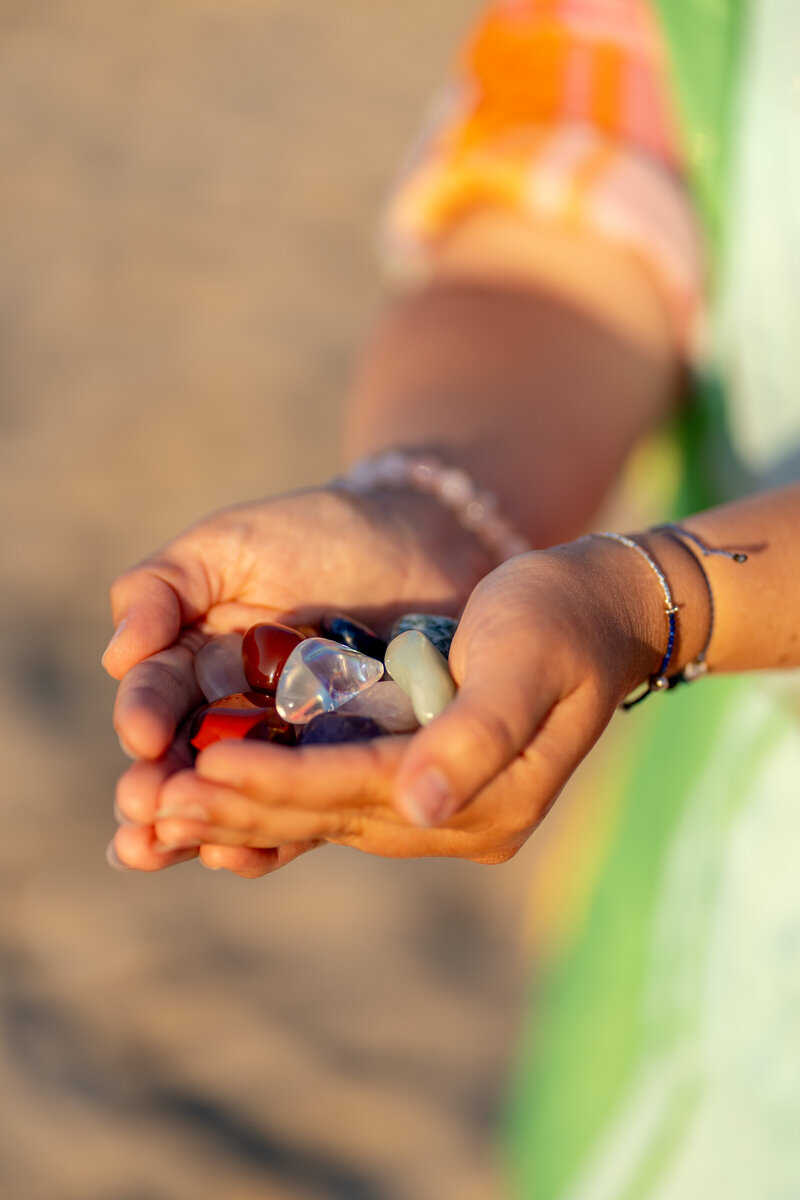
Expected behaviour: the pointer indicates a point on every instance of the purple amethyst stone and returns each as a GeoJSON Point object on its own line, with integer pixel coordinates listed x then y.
{"type": "Point", "coordinates": [331, 729]}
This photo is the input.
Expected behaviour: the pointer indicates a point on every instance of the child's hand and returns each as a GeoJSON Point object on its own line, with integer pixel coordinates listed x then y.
{"type": "Point", "coordinates": [292, 557]}
{"type": "Point", "coordinates": [547, 647]}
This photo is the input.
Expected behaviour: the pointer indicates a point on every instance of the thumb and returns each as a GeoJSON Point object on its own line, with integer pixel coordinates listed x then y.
{"type": "Point", "coordinates": [491, 720]}
{"type": "Point", "coordinates": [150, 605]}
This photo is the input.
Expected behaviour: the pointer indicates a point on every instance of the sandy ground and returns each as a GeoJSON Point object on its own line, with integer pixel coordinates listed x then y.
{"type": "Point", "coordinates": [187, 194]}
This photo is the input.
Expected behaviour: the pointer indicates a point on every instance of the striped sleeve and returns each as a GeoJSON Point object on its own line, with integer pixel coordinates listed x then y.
{"type": "Point", "coordinates": [561, 109]}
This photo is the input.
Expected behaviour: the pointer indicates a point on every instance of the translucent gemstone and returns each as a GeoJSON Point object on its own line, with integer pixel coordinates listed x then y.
{"type": "Point", "coordinates": [319, 676]}
{"type": "Point", "coordinates": [421, 671]}
{"type": "Point", "coordinates": [349, 632]}
{"type": "Point", "coordinates": [265, 649]}
{"type": "Point", "coordinates": [218, 666]}
{"type": "Point", "coordinates": [437, 629]}
{"type": "Point", "coordinates": [334, 728]}
{"type": "Point", "coordinates": [249, 715]}
{"type": "Point", "coordinates": [387, 703]}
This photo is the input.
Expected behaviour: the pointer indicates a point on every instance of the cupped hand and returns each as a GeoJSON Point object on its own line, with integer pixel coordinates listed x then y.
{"type": "Point", "coordinates": [291, 558]}
{"type": "Point", "coordinates": [547, 647]}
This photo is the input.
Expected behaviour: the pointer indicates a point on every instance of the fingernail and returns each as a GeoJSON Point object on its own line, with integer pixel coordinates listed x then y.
{"type": "Point", "coordinates": [429, 799]}
{"type": "Point", "coordinates": [115, 635]}
{"type": "Point", "coordinates": [188, 812]}
{"type": "Point", "coordinates": [120, 818]}
{"type": "Point", "coordinates": [125, 748]}
{"type": "Point", "coordinates": [114, 860]}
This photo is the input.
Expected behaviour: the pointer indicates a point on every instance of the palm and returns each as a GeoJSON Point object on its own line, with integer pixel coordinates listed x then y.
{"type": "Point", "coordinates": [292, 558]}
{"type": "Point", "coordinates": [300, 555]}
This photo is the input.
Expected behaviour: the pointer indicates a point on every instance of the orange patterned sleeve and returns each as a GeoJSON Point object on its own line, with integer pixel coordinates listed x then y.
{"type": "Point", "coordinates": [561, 109]}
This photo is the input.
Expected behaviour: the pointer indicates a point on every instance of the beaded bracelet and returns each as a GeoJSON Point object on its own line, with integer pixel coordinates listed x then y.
{"type": "Point", "coordinates": [698, 666]}
{"type": "Point", "coordinates": [473, 507]}
{"type": "Point", "coordinates": [657, 682]}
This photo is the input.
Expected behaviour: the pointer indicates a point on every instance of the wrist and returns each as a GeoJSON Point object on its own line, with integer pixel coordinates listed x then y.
{"type": "Point", "coordinates": [690, 595]}
{"type": "Point", "coordinates": [439, 556]}
{"type": "Point", "coordinates": [661, 591]}
{"type": "Point", "coordinates": [417, 470]}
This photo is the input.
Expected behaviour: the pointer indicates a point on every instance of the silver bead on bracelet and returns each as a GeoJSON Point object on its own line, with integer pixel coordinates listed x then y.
{"type": "Point", "coordinates": [473, 507]}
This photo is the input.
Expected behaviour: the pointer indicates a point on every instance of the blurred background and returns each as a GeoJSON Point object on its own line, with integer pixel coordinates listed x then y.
{"type": "Point", "coordinates": [188, 194]}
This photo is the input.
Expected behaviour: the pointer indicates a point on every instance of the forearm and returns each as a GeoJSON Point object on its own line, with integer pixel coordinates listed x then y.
{"type": "Point", "coordinates": [756, 603]}
{"type": "Point", "coordinates": [534, 362]}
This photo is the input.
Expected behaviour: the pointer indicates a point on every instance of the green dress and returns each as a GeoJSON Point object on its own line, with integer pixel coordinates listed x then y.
{"type": "Point", "coordinates": [663, 1055]}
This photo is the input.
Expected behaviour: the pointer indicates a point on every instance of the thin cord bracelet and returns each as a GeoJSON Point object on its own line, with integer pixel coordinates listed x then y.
{"type": "Point", "coordinates": [699, 665]}
{"type": "Point", "coordinates": [475, 508]}
{"type": "Point", "coordinates": [657, 682]}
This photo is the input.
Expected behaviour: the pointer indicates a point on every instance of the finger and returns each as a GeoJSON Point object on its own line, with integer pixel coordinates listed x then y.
{"type": "Point", "coordinates": [151, 603]}
{"type": "Point", "coordinates": [493, 717]}
{"type": "Point", "coordinates": [321, 778]}
{"type": "Point", "coordinates": [138, 798]}
{"type": "Point", "coordinates": [249, 863]}
{"type": "Point", "coordinates": [138, 789]}
{"type": "Point", "coordinates": [193, 811]}
{"type": "Point", "coordinates": [341, 794]}
{"type": "Point", "coordinates": [197, 812]}
{"type": "Point", "coordinates": [153, 698]}
{"type": "Point", "coordinates": [135, 848]}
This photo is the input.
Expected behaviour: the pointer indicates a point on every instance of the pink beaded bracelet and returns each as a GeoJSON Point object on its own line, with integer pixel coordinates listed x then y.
{"type": "Point", "coordinates": [473, 507]}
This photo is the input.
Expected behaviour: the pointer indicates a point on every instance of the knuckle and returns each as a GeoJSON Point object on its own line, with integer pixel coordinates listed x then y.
{"type": "Point", "coordinates": [348, 827]}
{"type": "Point", "coordinates": [120, 586]}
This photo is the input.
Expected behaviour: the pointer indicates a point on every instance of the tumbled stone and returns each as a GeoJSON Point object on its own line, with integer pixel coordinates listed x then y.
{"type": "Point", "coordinates": [417, 666]}
{"type": "Point", "coordinates": [319, 676]}
{"type": "Point", "coordinates": [265, 649]}
{"type": "Point", "coordinates": [306, 630]}
{"type": "Point", "coordinates": [251, 715]}
{"type": "Point", "coordinates": [218, 666]}
{"type": "Point", "coordinates": [437, 629]}
{"type": "Point", "coordinates": [334, 728]}
{"type": "Point", "coordinates": [386, 703]}
{"type": "Point", "coordinates": [350, 632]}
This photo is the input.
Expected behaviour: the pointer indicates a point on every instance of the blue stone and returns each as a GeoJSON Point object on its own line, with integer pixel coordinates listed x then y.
{"type": "Point", "coordinates": [349, 632]}
{"type": "Point", "coordinates": [437, 629]}
{"type": "Point", "coordinates": [332, 728]}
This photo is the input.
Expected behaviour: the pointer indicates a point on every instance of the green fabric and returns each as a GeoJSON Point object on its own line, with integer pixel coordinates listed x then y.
{"type": "Point", "coordinates": [587, 1030]}
{"type": "Point", "coordinates": [587, 1033]}
{"type": "Point", "coordinates": [703, 39]}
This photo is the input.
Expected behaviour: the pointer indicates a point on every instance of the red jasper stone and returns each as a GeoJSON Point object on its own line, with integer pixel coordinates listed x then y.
{"type": "Point", "coordinates": [265, 649]}
{"type": "Point", "coordinates": [249, 715]}
{"type": "Point", "coordinates": [308, 630]}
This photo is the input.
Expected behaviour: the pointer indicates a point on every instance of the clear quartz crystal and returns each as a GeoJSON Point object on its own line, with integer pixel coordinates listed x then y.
{"type": "Point", "coordinates": [320, 676]}
{"type": "Point", "coordinates": [387, 704]}
{"type": "Point", "coordinates": [218, 667]}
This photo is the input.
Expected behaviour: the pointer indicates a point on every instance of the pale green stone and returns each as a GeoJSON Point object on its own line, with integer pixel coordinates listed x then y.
{"type": "Point", "coordinates": [420, 670]}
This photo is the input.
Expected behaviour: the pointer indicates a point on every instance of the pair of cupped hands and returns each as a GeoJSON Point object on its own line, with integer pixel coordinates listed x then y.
{"type": "Point", "coordinates": [547, 646]}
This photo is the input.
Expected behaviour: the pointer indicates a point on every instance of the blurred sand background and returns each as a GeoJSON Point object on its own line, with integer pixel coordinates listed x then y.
{"type": "Point", "coordinates": [188, 193]}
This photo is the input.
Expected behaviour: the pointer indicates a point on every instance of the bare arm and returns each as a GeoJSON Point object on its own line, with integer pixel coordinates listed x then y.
{"type": "Point", "coordinates": [535, 358]}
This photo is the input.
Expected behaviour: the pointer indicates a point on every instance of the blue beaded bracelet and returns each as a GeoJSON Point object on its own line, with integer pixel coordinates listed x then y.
{"type": "Point", "coordinates": [699, 665]}
{"type": "Point", "coordinates": [657, 682]}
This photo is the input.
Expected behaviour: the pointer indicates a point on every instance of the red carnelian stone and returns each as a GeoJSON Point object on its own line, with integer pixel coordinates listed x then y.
{"type": "Point", "coordinates": [308, 630]}
{"type": "Point", "coordinates": [249, 715]}
{"type": "Point", "coordinates": [265, 649]}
